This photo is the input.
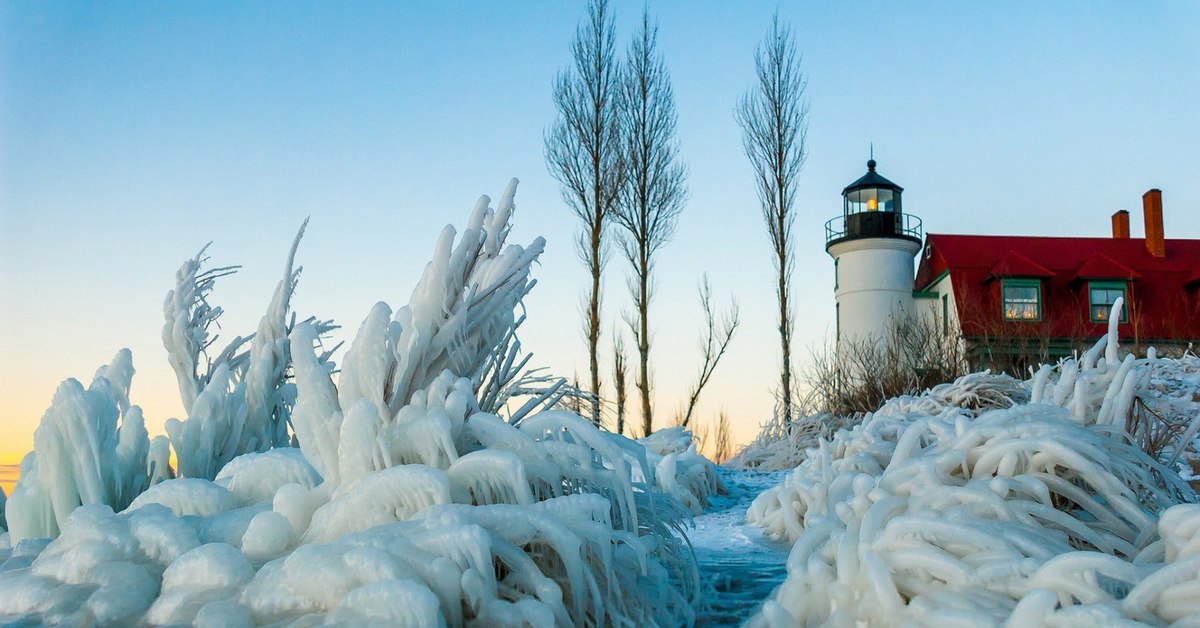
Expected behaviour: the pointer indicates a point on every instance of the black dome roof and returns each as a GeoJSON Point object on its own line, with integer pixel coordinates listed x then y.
{"type": "Point", "coordinates": [871, 180]}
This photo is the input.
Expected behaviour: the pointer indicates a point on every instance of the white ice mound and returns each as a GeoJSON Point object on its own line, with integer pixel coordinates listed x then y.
{"type": "Point", "coordinates": [188, 496]}
{"type": "Point", "coordinates": [405, 504]}
{"type": "Point", "coordinates": [1042, 514]}
{"type": "Point", "coordinates": [253, 478]}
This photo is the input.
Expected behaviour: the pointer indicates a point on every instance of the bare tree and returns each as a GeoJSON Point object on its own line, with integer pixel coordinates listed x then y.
{"type": "Point", "coordinates": [774, 120]}
{"type": "Point", "coordinates": [716, 339]}
{"type": "Point", "coordinates": [854, 376]}
{"type": "Point", "coordinates": [583, 154]}
{"type": "Point", "coordinates": [653, 194]}
{"type": "Point", "coordinates": [724, 442]}
{"type": "Point", "coordinates": [573, 404]}
{"type": "Point", "coordinates": [620, 378]}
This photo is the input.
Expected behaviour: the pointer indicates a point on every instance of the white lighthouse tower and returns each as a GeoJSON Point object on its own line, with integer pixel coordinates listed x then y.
{"type": "Point", "coordinates": [873, 245]}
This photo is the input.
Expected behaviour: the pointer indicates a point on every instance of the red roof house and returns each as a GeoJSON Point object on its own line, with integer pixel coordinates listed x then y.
{"type": "Point", "coordinates": [1047, 296]}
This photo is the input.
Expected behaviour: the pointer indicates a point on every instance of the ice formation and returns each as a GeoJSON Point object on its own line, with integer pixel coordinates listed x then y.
{"type": "Point", "coordinates": [679, 470]}
{"type": "Point", "coordinates": [240, 401]}
{"type": "Point", "coordinates": [92, 449]}
{"type": "Point", "coordinates": [405, 503]}
{"type": "Point", "coordinates": [782, 445]}
{"type": "Point", "coordinates": [1042, 513]}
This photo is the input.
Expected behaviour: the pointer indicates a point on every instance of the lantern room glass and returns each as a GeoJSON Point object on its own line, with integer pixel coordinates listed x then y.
{"type": "Point", "coordinates": [872, 199]}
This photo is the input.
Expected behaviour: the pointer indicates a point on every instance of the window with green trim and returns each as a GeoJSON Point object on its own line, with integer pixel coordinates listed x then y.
{"type": "Point", "coordinates": [1021, 299]}
{"type": "Point", "coordinates": [1101, 297]}
{"type": "Point", "coordinates": [835, 273]}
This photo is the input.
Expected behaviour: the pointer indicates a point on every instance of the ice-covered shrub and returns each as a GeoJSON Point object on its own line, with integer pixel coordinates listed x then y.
{"type": "Point", "coordinates": [1042, 513]}
{"type": "Point", "coordinates": [91, 447]}
{"type": "Point", "coordinates": [1163, 422]}
{"type": "Point", "coordinates": [783, 445]}
{"type": "Point", "coordinates": [406, 504]}
{"type": "Point", "coordinates": [679, 470]}
{"type": "Point", "coordinates": [240, 402]}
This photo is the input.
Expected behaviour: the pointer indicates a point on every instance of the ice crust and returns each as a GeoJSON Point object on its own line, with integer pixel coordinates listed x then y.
{"type": "Point", "coordinates": [403, 504]}
{"type": "Point", "coordinates": [1040, 514]}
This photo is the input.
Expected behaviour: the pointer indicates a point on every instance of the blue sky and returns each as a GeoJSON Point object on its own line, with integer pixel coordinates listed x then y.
{"type": "Point", "coordinates": [133, 133]}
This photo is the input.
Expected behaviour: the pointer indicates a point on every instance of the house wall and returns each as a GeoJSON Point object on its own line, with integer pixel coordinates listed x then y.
{"type": "Point", "coordinates": [932, 308]}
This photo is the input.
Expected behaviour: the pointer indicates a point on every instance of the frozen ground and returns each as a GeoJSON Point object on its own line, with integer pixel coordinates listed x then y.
{"type": "Point", "coordinates": [739, 566]}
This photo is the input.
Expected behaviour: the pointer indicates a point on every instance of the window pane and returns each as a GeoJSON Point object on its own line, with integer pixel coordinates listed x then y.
{"type": "Point", "coordinates": [1101, 300]}
{"type": "Point", "coordinates": [1021, 302]}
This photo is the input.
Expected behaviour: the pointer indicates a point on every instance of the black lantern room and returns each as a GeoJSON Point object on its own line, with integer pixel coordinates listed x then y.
{"type": "Point", "coordinates": [871, 209]}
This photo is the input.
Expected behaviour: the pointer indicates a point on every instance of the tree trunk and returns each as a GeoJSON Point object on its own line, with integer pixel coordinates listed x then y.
{"type": "Point", "coordinates": [594, 306]}
{"type": "Point", "coordinates": [644, 345]}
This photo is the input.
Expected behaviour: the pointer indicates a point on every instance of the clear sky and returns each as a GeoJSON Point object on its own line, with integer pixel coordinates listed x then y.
{"type": "Point", "coordinates": [133, 133]}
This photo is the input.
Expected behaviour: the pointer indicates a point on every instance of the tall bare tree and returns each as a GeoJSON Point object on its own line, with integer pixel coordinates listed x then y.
{"type": "Point", "coordinates": [774, 119]}
{"type": "Point", "coordinates": [583, 154]}
{"type": "Point", "coordinates": [653, 194]}
{"type": "Point", "coordinates": [723, 447]}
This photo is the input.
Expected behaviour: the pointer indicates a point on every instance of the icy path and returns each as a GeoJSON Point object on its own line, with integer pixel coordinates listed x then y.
{"type": "Point", "coordinates": [739, 567]}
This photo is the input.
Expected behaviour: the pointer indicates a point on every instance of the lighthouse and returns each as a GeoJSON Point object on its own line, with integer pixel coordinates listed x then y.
{"type": "Point", "coordinates": [873, 245]}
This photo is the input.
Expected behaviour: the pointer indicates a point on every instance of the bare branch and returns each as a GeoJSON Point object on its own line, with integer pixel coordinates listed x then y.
{"type": "Point", "coordinates": [718, 333]}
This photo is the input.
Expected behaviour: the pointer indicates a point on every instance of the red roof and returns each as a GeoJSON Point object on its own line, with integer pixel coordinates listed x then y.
{"type": "Point", "coordinates": [1013, 264]}
{"type": "Point", "coordinates": [1161, 303]}
{"type": "Point", "coordinates": [1101, 266]}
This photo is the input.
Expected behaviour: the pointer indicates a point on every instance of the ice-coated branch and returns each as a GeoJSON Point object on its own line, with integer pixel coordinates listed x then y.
{"type": "Point", "coordinates": [266, 407]}
{"type": "Point", "coordinates": [460, 319]}
{"type": "Point", "coordinates": [185, 333]}
{"type": "Point", "coordinates": [463, 304]}
{"type": "Point", "coordinates": [242, 403]}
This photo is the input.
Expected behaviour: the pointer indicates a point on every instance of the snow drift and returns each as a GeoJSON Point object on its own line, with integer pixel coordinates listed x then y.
{"type": "Point", "coordinates": [1042, 513]}
{"type": "Point", "coordinates": [404, 504]}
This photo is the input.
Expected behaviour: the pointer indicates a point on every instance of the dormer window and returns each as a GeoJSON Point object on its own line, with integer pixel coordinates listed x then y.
{"type": "Point", "coordinates": [1101, 297]}
{"type": "Point", "coordinates": [1021, 299]}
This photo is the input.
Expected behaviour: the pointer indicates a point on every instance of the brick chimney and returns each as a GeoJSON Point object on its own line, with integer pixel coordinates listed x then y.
{"type": "Point", "coordinates": [1152, 208]}
{"type": "Point", "coordinates": [1120, 225]}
